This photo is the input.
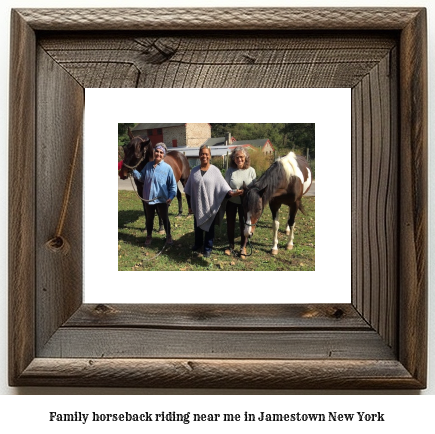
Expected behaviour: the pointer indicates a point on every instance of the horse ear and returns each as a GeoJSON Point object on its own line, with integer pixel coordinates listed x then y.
{"type": "Point", "coordinates": [145, 142]}
{"type": "Point", "coordinates": [130, 134]}
{"type": "Point", "coordinates": [244, 187]}
{"type": "Point", "coordinates": [261, 192]}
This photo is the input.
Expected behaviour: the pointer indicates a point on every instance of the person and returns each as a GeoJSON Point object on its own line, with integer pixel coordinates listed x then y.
{"type": "Point", "coordinates": [239, 172]}
{"type": "Point", "coordinates": [159, 188]}
{"type": "Point", "coordinates": [206, 189]}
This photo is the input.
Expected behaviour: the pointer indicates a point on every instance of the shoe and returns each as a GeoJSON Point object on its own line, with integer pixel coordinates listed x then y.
{"type": "Point", "coordinates": [207, 253]}
{"type": "Point", "coordinates": [169, 240]}
{"type": "Point", "coordinates": [229, 251]}
{"type": "Point", "coordinates": [148, 240]}
{"type": "Point", "coordinates": [243, 253]}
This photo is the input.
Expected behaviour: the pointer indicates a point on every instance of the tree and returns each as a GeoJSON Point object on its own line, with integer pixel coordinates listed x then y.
{"type": "Point", "coordinates": [284, 137]}
{"type": "Point", "coordinates": [122, 133]}
{"type": "Point", "coordinates": [300, 137]}
{"type": "Point", "coordinates": [219, 130]}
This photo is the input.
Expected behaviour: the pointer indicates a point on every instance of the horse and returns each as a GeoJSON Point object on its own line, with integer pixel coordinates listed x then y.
{"type": "Point", "coordinates": [138, 152]}
{"type": "Point", "coordinates": [284, 182]}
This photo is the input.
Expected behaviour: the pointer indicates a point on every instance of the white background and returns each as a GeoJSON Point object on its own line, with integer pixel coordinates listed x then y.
{"type": "Point", "coordinates": [407, 412]}
{"type": "Point", "coordinates": [329, 109]}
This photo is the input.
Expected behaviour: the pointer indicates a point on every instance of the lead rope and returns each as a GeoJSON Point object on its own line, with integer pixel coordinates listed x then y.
{"type": "Point", "coordinates": [235, 254]}
{"type": "Point", "coordinates": [149, 200]}
{"type": "Point", "coordinates": [157, 254]}
{"type": "Point", "coordinates": [58, 243]}
{"type": "Point", "coordinates": [145, 200]}
{"type": "Point", "coordinates": [137, 194]}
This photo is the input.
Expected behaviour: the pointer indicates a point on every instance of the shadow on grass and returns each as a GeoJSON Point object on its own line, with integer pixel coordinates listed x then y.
{"type": "Point", "coordinates": [129, 216]}
{"type": "Point", "coordinates": [179, 257]}
{"type": "Point", "coordinates": [180, 252]}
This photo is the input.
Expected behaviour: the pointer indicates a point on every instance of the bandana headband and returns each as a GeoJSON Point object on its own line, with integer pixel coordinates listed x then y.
{"type": "Point", "coordinates": [161, 148]}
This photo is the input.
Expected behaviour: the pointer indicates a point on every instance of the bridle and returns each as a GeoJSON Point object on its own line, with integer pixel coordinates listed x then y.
{"type": "Point", "coordinates": [140, 161]}
{"type": "Point", "coordinates": [131, 180]}
{"type": "Point", "coordinates": [255, 224]}
{"type": "Point", "coordinates": [134, 167]}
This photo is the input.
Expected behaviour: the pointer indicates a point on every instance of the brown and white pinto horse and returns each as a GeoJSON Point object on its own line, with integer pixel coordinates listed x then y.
{"type": "Point", "coordinates": [139, 151]}
{"type": "Point", "coordinates": [284, 182]}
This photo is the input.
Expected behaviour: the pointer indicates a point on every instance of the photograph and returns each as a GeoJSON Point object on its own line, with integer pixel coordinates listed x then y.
{"type": "Point", "coordinates": [201, 196]}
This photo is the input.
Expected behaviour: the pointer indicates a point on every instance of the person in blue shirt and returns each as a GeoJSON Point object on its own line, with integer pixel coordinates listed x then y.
{"type": "Point", "coordinates": [159, 188]}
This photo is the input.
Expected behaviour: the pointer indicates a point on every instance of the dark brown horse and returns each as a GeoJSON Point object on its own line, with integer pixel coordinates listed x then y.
{"type": "Point", "coordinates": [284, 182]}
{"type": "Point", "coordinates": [139, 151]}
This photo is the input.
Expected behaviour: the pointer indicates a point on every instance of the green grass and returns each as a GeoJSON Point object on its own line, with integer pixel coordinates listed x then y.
{"type": "Point", "coordinates": [133, 255]}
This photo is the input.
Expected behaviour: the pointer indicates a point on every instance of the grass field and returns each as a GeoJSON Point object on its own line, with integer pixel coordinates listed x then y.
{"type": "Point", "coordinates": [133, 255]}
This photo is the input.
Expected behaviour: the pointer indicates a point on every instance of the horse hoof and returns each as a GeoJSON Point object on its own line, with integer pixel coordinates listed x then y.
{"type": "Point", "coordinates": [180, 214]}
{"type": "Point", "coordinates": [289, 247]}
{"type": "Point", "coordinates": [243, 253]}
{"type": "Point", "coordinates": [274, 251]}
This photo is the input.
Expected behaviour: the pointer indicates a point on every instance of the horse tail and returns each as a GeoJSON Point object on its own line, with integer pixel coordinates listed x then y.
{"type": "Point", "coordinates": [301, 208]}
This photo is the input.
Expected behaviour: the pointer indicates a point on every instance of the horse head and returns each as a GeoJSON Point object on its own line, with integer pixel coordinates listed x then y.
{"type": "Point", "coordinates": [135, 152]}
{"type": "Point", "coordinates": [253, 206]}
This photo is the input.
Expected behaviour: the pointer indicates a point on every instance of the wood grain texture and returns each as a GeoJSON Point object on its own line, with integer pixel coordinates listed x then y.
{"type": "Point", "coordinates": [220, 18]}
{"type": "Point", "coordinates": [233, 61]}
{"type": "Point", "coordinates": [377, 342]}
{"type": "Point", "coordinates": [375, 198]}
{"type": "Point", "coordinates": [22, 127]}
{"type": "Point", "coordinates": [228, 374]}
{"type": "Point", "coordinates": [128, 342]}
{"type": "Point", "coordinates": [220, 317]}
{"type": "Point", "coordinates": [59, 279]}
{"type": "Point", "coordinates": [413, 199]}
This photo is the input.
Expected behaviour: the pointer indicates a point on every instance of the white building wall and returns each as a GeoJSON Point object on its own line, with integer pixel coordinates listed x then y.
{"type": "Point", "coordinates": [175, 133]}
{"type": "Point", "coordinates": [197, 134]}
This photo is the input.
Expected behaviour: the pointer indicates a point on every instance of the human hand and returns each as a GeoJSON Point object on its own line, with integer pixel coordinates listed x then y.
{"type": "Point", "coordinates": [234, 193]}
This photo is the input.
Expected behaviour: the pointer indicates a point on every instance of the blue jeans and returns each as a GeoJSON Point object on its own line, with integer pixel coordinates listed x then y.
{"type": "Point", "coordinates": [209, 236]}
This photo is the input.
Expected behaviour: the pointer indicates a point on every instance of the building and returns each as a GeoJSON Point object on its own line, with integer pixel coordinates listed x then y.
{"type": "Point", "coordinates": [192, 154]}
{"type": "Point", "coordinates": [264, 145]}
{"type": "Point", "coordinates": [188, 138]}
{"type": "Point", "coordinates": [175, 135]}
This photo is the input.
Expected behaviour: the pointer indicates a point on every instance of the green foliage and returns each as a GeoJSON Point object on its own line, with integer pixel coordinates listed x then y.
{"type": "Point", "coordinates": [259, 161]}
{"type": "Point", "coordinates": [295, 137]}
{"type": "Point", "coordinates": [301, 137]}
{"type": "Point", "coordinates": [313, 168]}
{"type": "Point", "coordinates": [123, 138]}
{"type": "Point", "coordinates": [218, 162]}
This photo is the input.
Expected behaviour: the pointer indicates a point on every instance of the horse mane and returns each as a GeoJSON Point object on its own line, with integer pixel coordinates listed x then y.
{"type": "Point", "coordinates": [270, 179]}
{"type": "Point", "coordinates": [281, 170]}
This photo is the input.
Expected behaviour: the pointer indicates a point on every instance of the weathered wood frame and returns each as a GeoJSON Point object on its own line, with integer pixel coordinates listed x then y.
{"type": "Point", "coordinates": [377, 341]}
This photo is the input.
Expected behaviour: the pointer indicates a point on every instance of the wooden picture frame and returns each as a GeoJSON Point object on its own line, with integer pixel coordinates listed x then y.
{"type": "Point", "coordinates": [378, 341]}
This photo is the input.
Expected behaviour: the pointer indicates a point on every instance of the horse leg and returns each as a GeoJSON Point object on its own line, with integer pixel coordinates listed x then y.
{"type": "Point", "coordinates": [180, 203]}
{"type": "Point", "coordinates": [139, 190]}
{"type": "Point", "coordinates": [291, 224]}
{"type": "Point", "coordinates": [275, 216]}
{"type": "Point", "coordinates": [188, 202]}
